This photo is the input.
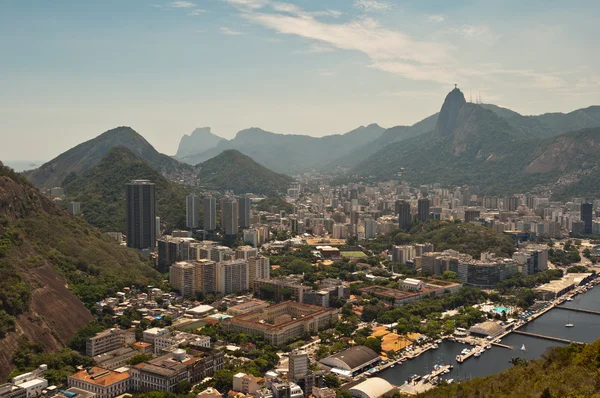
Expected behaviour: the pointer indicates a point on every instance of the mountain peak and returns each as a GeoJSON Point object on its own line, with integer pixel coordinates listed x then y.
{"type": "Point", "coordinates": [200, 140]}
{"type": "Point", "coordinates": [453, 103]}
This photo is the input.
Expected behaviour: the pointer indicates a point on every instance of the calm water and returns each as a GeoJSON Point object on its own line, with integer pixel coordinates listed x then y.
{"type": "Point", "coordinates": [495, 360]}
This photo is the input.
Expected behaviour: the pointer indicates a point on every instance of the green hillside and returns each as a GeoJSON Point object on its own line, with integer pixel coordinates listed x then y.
{"type": "Point", "coordinates": [232, 170]}
{"type": "Point", "coordinates": [86, 155]}
{"type": "Point", "coordinates": [572, 371]}
{"type": "Point", "coordinates": [101, 191]}
{"type": "Point", "coordinates": [52, 264]}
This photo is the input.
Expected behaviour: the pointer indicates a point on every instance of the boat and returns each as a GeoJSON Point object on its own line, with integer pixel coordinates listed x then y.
{"type": "Point", "coordinates": [569, 325]}
{"type": "Point", "coordinates": [523, 347]}
{"type": "Point", "coordinates": [435, 346]}
{"type": "Point", "coordinates": [450, 381]}
{"type": "Point", "coordinates": [569, 299]}
{"type": "Point", "coordinates": [477, 354]}
{"type": "Point", "coordinates": [392, 365]}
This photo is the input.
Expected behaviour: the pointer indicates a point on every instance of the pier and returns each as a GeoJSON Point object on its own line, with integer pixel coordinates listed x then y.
{"type": "Point", "coordinates": [541, 336]}
{"type": "Point", "coordinates": [503, 346]}
{"type": "Point", "coordinates": [593, 312]}
{"type": "Point", "coordinates": [420, 386]}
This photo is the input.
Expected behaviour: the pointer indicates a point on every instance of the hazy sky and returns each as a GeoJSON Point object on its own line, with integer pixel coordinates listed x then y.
{"type": "Point", "coordinates": [70, 70]}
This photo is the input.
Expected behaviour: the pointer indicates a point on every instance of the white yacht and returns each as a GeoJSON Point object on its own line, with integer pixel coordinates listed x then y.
{"type": "Point", "coordinates": [523, 347]}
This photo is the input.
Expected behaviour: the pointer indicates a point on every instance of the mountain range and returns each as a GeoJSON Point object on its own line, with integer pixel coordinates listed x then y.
{"type": "Point", "coordinates": [290, 153]}
{"type": "Point", "coordinates": [53, 268]}
{"type": "Point", "coordinates": [495, 148]}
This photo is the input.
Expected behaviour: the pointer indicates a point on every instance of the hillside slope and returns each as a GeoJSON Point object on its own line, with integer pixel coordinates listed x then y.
{"type": "Point", "coordinates": [389, 136]}
{"type": "Point", "coordinates": [292, 153]}
{"type": "Point", "coordinates": [87, 154]}
{"type": "Point", "coordinates": [51, 267]}
{"type": "Point", "coordinates": [232, 170]}
{"type": "Point", "coordinates": [101, 191]}
{"type": "Point", "coordinates": [571, 371]}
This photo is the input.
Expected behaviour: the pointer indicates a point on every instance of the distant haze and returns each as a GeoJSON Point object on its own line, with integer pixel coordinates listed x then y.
{"type": "Point", "coordinates": [74, 69]}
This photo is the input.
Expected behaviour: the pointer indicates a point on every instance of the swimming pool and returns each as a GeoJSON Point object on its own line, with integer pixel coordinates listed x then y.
{"type": "Point", "coordinates": [500, 309]}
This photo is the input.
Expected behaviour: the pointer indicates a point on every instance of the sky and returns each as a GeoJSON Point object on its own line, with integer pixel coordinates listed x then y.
{"type": "Point", "coordinates": [70, 70]}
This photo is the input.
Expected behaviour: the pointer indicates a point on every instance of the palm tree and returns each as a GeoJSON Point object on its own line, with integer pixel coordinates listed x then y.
{"type": "Point", "coordinates": [517, 361]}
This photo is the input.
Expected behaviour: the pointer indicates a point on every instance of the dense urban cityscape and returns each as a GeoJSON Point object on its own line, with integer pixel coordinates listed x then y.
{"type": "Point", "coordinates": [319, 292]}
{"type": "Point", "coordinates": [299, 199]}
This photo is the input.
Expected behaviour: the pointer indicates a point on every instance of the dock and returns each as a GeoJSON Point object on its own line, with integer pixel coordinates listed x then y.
{"type": "Point", "coordinates": [593, 312]}
{"type": "Point", "coordinates": [541, 336]}
{"type": "Point", "coordinates": [422, 386]}
{"type": "Point", "coordinates": [503, 345]}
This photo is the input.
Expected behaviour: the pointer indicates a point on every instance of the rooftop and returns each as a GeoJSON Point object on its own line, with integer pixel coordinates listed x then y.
{"type": "Point", "coordinates": [100, 376]}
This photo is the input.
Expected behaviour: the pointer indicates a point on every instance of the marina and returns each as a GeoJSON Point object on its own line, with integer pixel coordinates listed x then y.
{"type": "Point", "coordinates": [531, 337]}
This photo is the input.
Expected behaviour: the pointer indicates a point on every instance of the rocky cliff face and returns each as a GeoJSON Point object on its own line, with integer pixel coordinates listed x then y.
{"type": "Point", "coordinates": [573, 151]}
{"type": "Point", "coordinates": [201, 140]}
{"type": "Point", "coordinates": [446, 123]}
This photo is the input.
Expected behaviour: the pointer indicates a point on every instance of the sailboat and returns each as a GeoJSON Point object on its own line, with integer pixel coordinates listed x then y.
{"type": "Point", "coordinates": [569, 324]}
{"type": "Point", "coordinates": [523, 347]}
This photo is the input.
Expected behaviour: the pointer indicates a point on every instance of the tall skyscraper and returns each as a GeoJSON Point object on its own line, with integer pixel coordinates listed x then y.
{"type": "Point", "coordinates": [402, 209]}
{"type": "Point", "coordinates": [229, 222]}
{"type": "Point", "coordinates": [243, 212]}
{"type": "Point", "coordinates": [423, 209]}
{"type": "Point", "coordinates": [192, 210]}
{"type": "Point", "coordinates": [587, 210]}
{"type": "Point", "coordinates": [141, 214]}
{"type": "Point", "coordinates": [210, 213]}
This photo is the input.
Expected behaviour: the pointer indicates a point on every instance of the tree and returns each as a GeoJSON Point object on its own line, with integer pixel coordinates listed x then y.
{"type": "Point", "coordinates": [546, 393]}
{"type": "Point", "coordinates": [134, 360]}
{"type": "Point", "coordinates": [449, 275]}
{"type": "Point", "coordinates": [373, 343]}
{"type": "Point", "coordinates": [223, 379]}
{"type": "Point", "coordinates": [331, 380]}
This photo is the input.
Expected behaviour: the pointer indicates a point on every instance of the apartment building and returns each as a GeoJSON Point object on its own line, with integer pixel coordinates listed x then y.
{"type": "Point", "coordinates": [108, 340]}
{"type": "Point", "coordinates": [232, 276]}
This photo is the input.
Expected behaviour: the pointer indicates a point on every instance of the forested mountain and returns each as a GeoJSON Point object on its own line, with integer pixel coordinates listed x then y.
{"type": "Point", "coordinates": [232, 170]}
{"type": "Point", "coordinates": [53, 266]}
{"type": "Point", "coordinates": [292, 153]}
{"type": "Point", "coordinates": [86, 155]}
{"type": "Point", "coordinates": [101, 191]}
{"type": "Point", "coordinates": [483, 145]}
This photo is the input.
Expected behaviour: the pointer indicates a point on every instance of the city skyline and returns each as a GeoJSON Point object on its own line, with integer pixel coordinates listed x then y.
{"type": "Point", "coordinates": [287, 67]}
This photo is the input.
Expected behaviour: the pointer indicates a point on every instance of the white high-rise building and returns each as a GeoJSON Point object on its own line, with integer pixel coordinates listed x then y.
{"type": "Point", "coordinates": [232, 276]}
{"type": "Point", "coordinates": [210, 213]}
{"type": "Point", "coordinates": [192, 210]}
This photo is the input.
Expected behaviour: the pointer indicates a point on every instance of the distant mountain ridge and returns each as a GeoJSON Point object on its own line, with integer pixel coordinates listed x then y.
{"type": "Point", "coordinates": [200, 140]}
{"type": "Point", "coordinates": [291, 153]}
{"type": "Point", "coordinates": [87, 154]}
